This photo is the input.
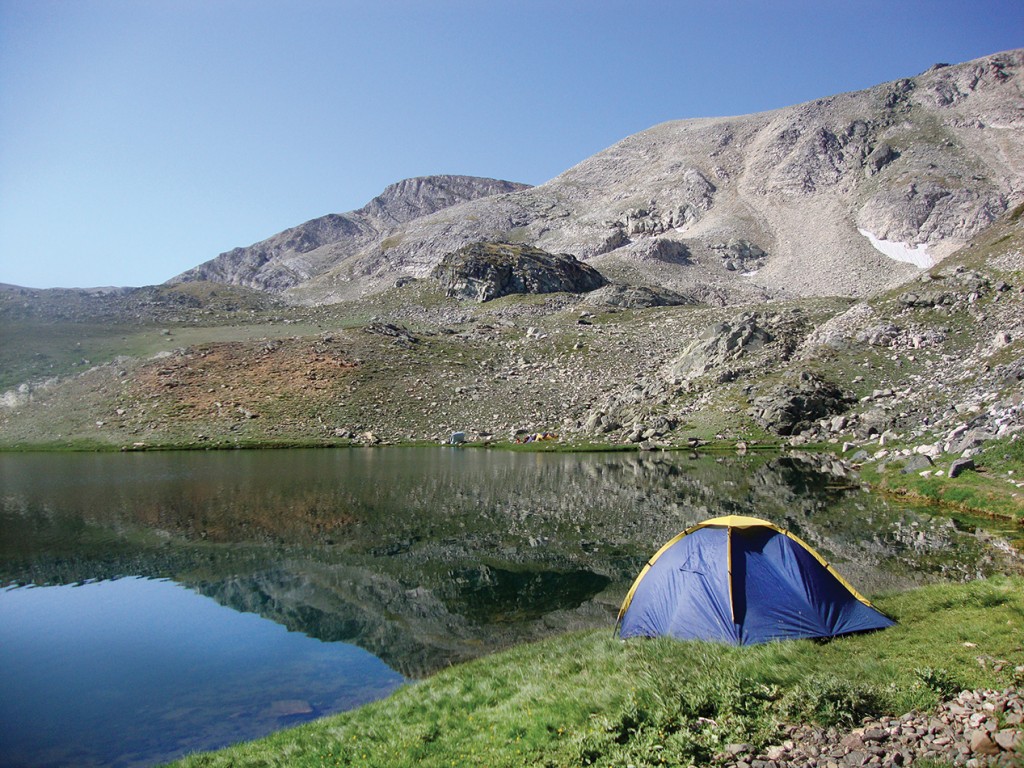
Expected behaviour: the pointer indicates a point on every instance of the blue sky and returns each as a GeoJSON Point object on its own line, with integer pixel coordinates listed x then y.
{"type": "Point", "coordinates": [139, 138]}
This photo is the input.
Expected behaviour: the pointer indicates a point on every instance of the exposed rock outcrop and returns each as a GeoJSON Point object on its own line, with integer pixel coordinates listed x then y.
{"type": "Point", "coordinates": [636, 297]}
{"type": "Point", "coordinates": [484, 271]}
{"type": "Point", "coordinates": [663, 249]}
{"type": "Point", "coordinates": [790, 408]}
{"type": "Point", "coordinates": [740, 255]}
{"type": "Point", "coordinates": [720, 344]}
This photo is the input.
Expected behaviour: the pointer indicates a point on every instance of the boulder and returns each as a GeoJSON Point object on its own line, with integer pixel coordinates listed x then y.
{"type": "Point", "coordinates": [720, 344]}
{"type": "Point", "coordinates": [1002, 339]}
{"type": "Point", "coordinates": [790, 408]}
{"type": "Point", "coordinates": [600, 422]}
{"type": "Point", "coordinates": [880, 157]}
{"type": "Point", "coordinates": [837, 424]}
{"type": "Point", "coordinates": [872, 423]}
{"type": "Point", "coordinates": [485, 271]}
{"type": "Point", "coordinates": [959, 466]}
{"type": "Point", "coordinates": [916, 464]}
{"type": "Point", "coordinates": [636, 297]}
{"type": "Point", "coordinates": [970, 439]}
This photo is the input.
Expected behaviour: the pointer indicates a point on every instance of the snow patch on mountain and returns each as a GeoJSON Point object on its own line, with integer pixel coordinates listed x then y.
{"type": "Point", "coordinates": [916, 255]}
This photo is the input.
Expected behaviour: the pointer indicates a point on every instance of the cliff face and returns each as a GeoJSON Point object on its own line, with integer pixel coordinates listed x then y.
{"type": "Point", "coordinates": [846, 195]}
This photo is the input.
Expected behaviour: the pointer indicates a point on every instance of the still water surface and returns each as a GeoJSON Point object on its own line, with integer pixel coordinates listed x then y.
{"type": "Point", "coordinates": [157, 604]}
{"type": "Point", "coordinates": [134, 670]}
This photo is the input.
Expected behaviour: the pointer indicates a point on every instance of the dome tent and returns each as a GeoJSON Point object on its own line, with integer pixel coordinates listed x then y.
{"type": "Point", "coordinates": [742, 580]}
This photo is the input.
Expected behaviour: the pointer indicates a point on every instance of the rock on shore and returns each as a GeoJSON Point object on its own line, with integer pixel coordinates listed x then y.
{"type": "Point", "coordinates": [977, 728]}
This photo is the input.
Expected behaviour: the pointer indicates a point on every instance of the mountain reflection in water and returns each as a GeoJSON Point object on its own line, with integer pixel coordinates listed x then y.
{"type": "Point", "coordinates": [431, 556]}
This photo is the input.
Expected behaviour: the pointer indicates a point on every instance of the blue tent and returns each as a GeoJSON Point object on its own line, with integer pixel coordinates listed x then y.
{"type": "Point", "coordinates": [742, 580]}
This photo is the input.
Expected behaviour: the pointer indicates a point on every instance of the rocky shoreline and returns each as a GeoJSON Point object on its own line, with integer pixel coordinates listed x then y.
{"type": "Point", "coordinates": [977, 728]}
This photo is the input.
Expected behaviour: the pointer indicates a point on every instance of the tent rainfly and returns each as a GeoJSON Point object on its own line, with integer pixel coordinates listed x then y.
{"type": "Point", "coordinates": [743, 580]}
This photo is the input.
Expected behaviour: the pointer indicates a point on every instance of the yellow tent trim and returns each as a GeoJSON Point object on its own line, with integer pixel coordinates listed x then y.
{"type": "Point", "coordinates": [729, 522]}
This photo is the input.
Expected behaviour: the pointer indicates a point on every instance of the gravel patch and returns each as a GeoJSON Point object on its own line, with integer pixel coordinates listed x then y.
{"type": "Point", "coordinates": [977, 728]}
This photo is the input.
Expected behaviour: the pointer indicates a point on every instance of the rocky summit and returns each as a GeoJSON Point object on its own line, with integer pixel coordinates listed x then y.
{"type": "Point", "coordinates": [307, 251]}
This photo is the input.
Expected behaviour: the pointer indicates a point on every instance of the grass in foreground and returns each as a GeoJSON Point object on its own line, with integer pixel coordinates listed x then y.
{"type": "Point", "coordinates": [590, 699]}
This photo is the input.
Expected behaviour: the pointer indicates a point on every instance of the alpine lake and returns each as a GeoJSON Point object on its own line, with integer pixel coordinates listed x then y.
{"type": "Point", "coordinates": [156, 604]}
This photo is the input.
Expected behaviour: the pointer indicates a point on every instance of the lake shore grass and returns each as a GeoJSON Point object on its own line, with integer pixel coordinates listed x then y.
{"type": "Point", "coordinates": [993, 488]}
{"type": "Point", "coordinates": [588, 698]}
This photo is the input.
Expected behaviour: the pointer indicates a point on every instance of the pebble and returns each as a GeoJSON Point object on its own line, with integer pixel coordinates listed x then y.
{"type": "Point", "coordinates": [961, 732]}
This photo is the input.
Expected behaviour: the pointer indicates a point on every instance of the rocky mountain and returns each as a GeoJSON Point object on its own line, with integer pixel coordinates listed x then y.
{"type": "Point", "coordinates": [301, 253]}
{"type": "Point", "coordinates": [846, 195]}
{"type": "Point", "coordinates": [742, 304]}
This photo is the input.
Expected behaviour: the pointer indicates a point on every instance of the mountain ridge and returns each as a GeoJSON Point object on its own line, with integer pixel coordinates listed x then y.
{"type": "Point", "coordinates": [916, 163]}
{"type": "Point", "coordinates": [291, 256]}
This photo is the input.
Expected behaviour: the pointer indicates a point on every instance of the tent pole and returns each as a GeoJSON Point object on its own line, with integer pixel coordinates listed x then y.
{"type": "Point", "coordinates": [728, 560]}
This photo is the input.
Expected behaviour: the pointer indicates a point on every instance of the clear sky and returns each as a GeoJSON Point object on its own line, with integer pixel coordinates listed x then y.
{"type": "Point", "coordinates": [139, 138]}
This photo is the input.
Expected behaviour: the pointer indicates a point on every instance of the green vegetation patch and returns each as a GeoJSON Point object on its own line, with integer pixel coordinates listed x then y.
{"type": "Point", "coordinates": [591, 699]}
{"type": "Point", "coordinates": [990, 490]}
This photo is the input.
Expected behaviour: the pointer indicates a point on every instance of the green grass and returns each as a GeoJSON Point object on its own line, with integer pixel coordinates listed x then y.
{"type": "Point", "coordinates": [558, 446]}
{"type": "Point", "coordinates": [591, 699]}
{"type": "Point", "coordinates": [986, 492]}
